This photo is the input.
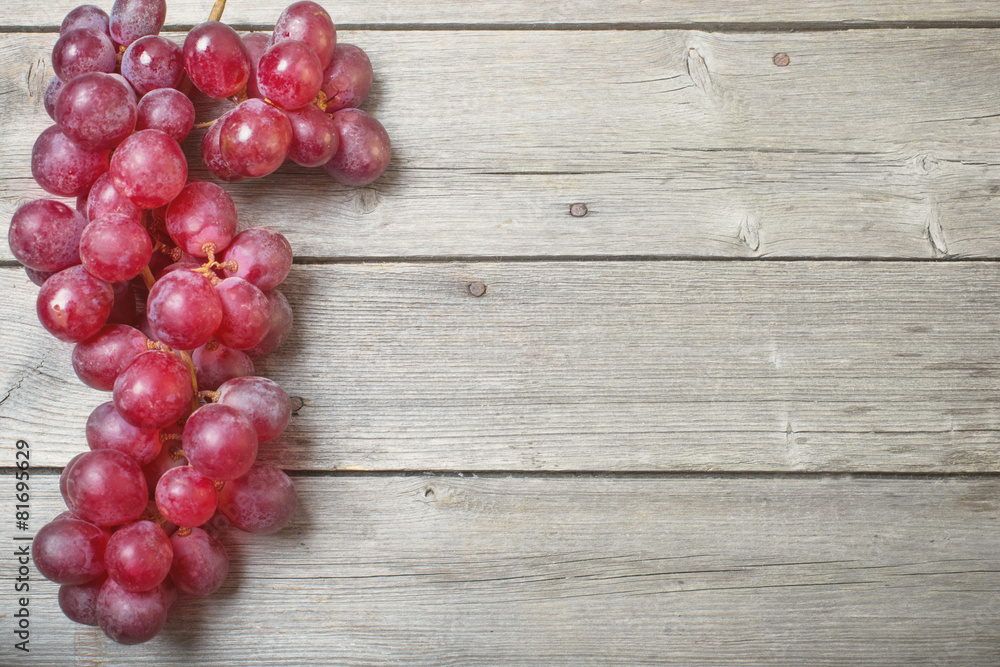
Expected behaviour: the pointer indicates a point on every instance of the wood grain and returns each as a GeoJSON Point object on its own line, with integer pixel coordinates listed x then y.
{"type": "Point", "coordinates": [742, 366]}
{"type": "Point", "coordinates": [549, 12]}
{"type": "Point", "coordinates": [874, 144]}
{"type": "Point", "coordinates": [696, 571]}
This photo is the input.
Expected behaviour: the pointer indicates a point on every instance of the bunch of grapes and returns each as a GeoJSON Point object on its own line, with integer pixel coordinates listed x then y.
{"type": "Point", "coordinates": [165, 302]}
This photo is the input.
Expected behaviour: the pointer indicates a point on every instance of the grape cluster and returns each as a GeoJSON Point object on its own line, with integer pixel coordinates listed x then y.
{"type": "Point", "coordinates": [165, 301]}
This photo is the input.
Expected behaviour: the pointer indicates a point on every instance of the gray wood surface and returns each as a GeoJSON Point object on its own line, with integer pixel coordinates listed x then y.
{"type": "Point", "coordinates": [870, 143]}
{"type": "Point", "coordinates": [688, 571]}
{"type": "Point", "coordinates": [601, 366]}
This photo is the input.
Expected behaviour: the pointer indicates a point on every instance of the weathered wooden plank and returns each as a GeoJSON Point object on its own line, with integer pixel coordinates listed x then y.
{"type": "Point", "coordinates": [549, 12]}
{"type": "Point", "coordinates": [600, 366]}
{"type": "Point", "coordinates": [690, 571]}
{"type": "Point", "coordinates": [869, 144]}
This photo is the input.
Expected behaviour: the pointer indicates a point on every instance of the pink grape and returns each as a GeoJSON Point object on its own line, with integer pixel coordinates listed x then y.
{"type": "Point", "coordinates": [38, 277]}
{"type": "Point", "coordinates": [289, 74]}
{"type": "Point", "coordinates": [63, 168]}
{"type": "Point", "coordinates": [123, 308]}
{"type": "Point", "coordinates": [164, 461]}
{"type": "Point", "coordinates": [153, 62]}
{"type": "Point", "coordinates": [98, 361]}
{"type": "Point", "coordinates": [64, 477]}
{"type": "Point", "coordinates": [314, 136]}
{"type": "Point", "coordinates": [244, 314]}
{"type": "Point", "coordinates": [255, 138]}
{"type": "Point", "coordinates": [280, 323]}
{"type": "Point", "coordinates": [132, 19]}
{"type": "Point", "coordinates": [83, 50]}
{"type": "Point", "coordinates": [96, 111]}
{"type": "Point", "coordinates": [69, 551]}
{"type": "Point", "coordinates": [138, 556]}
{"type": "Point", "coordinates": [364, 151]}
{"type": "Point", "coordinates": [200, 563]}
{"type": "Point", "coordinates": [130, 618]}
{"type": "Point", "coordinates": [261, 501]}
{"type": "Point", "coordinates": [202, 213]}
{"type": "Point", "coordinates": [85, 16]}
{"type": "Point", "coordinates": [107, 430]}
{"type": "Point", "coordinates": [149, 168]}
{"type": "Point", "coordinates": [262, 401]}
{"type": "Point", "coordinates": [107, 488]}
{"type": "Point", "coordinates": [168, 110]}
{"type": "Point", "coordinates": [220, 442]}
{"type": "Point", "coordinates": [186, 497]}
{"type": "Point", "coordinates": [52, 96]}
{"type": "Point", "coordinates": [216, 60]}
{"type": "Point", "coordinates": [122, 80]}
{"type": "Point", "coordinates": [154, 391]}
{"type": "Point", "coordinates": [347, 80]}
{"type": "Point", "coordinates": [211, 152]}
{"type": "Point", "coordinates": [184, 309]}
{"type": "Point", "coordinates": [115, 248]}
{"type": "Point", "coordinates": [263, 257]}
{"type": "Point", "coordinates": [79, 601]}
{"type": "Point", "coordinates": [308, 22]}
{"type": "Point", "coordinates": [44, 235]}
{"type": "Point", "coordinates": [104, 200]}
{"type": "Point", "coordinates": [73, 305]}
{"type": "Point", "coordinates": [256, 43]}
{"type": "Point", "coordinates": [220, 364]}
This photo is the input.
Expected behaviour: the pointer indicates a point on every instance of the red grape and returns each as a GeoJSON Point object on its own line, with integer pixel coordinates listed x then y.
{"type": "Point", "coordinates": [138, 556]}
{"type": "Point", "coordinates": [69, 551]}
{"type": "Point", "coordinates": [73, 305]}
{"type": "Point", "coordinates": [85, 16]}
{"type": "Point", "coordinates": [220, 442]}
{"type": "Point", "coordinates": [168, 110]}
{"type": "Point", "coordinates": [164, 461]}
{"type": "Point", "coordinates": [184, 309]}
{"type": "Point", "coordinates": [262, 401]}
{"type": "Point", "coordinates": [200, 563]}
{"type": "Point", "coordinates": [211, 152]}
{"type": "Point", "coordinates": [44, 235]}
{"type": "Point", "coordinates": [308, 22]}
{"type": "Point", "coordinates": [153, 62]}
{"type": "Point", "coordinates": [364, 151]}
{"type": "Point", "coordinates": [130, 618]}
{"type": "Point", "coordinates": [38, 277]}
{"type": "Point", "coordinates": [289, 74]}
{"type": "Point", "coordinates": [99, 360]}
{"type": "Point", "coordinates": [107, 430]}
{"type": "Point", "coordinates": [149, 168]}
{"type": "Point", "coordinates": [314, 136]}
{"type": "Point", "coordinates": [154, 391]}
{"type": "Point", "coordinates": [83, 50]}
{"type": "Point", "coordinates": [64, 477]}
{"type": "Point", "coordinates": [280, 323]}
{"type": "Point", "coordinates": [263, 257]}
{"type": "Point", "coordinates": [255, 138]}
{"type": "Point", "coordinates": [216, 60]}
{"type": "Point", "coordinates": [220, 364]}
{"type": "Point", "coordinates": [107, 488]}
{"type": "Point", "coordinates": [115, 248]}
{"type": "Point", "coordinates": [52, 96]}
{"type": "Point", "coordinates": [63, 168]}
{"type": "Point", "coordinates": [256, 44]}
{"type": "Point", "coordinates": [186, 497]}
{"type": "Point", "coordinates": [105, 200]}
{"type": "Point", "coordinates": [132, 19]}
{"type": "Point", "coordinates": [96, 111]}
{"type": "Point", "coordinates": [79, 601]}
{"type": "Point", "coordinates": [202, 213]}
{"type": "Point", "coordinates": [347, 80]}
{"type": "Point", "coordinates": [261, 501]}
{"type": "Point", "coordinates": [244, 314]}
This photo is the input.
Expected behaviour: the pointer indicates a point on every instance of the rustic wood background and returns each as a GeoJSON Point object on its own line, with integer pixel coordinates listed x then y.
{"type": "Point", "coordinates": [741, 412]}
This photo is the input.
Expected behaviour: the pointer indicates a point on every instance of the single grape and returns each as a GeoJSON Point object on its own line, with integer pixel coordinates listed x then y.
{"type": "Point", "coordinates": [261, 501]}
{"type": "Point", "coordinates": [186, 497]}
{"type": "Point", "coordinates": [63, 168]}
{"type": "Point", "coordinates": [123, 308]}
{"type": "Point", "coordinates": [85, 16]}
{"type": "Point", "coordinates": [347, 80]}
{"type": "Point", "coordinates": [184, 309]}
{"type": "Point", "coordinates": [256, 43]}
{"type": "Point", "coordinates": [314, 136]}
{"type": "Point", "coordinates": [202, 213]}
{"type": "Point", "coordinates": [149, 168]}
{"type": "Point", "coordinates": [138, 556]}
{"type": "Point", "coordinates": [215, 366]}
{"type": "Point", "coordinates": [255, 138]}
{"type": "Point", "coordinates": [52, 96]}
{"type": "Point", "coordinates": [96, 111]}
{"type": "Point", "coordinates": [308, 22]}
{"type": "Point", "coordinates": [211, 152]}
{"type": "Point", "coordinates": [262, 401]}
{"type": "Point", "coordinates": [364, 151]}
{"type": "Point", "coordinates": [216, 60]}
{"type": "Point", "coordinates": [107, 488]}
{"type": "Point", "coordinates": [69, 551]}
{"type": "Point", "coordinates": [244, 314]}
{"type": "Point", "coordinates": [263, 257]}
{"type": "Point", "coordinates": [83, 50]}
{"type": "Point", "coordinates": [132, 19]}
{"type": "Point", "coordinates": [115, 248]}
{"type": "Point", "coordinates": [165, 460]}
{"type": "Point", "coordinates": [153, 62]}
{"type": "Point", "coordinates": [130, 618]}
{"type": "Point", "coordinates": [220, 442]}
{"type": "Point", "coordinates": [167, 110]}
{"type": "Point", "coordinates": [104, 200]}
{"type": "Point", "coordinates": [289, 74]}
{"type": "Point", "coordinates": [99, 360]}
{"type": "Point", "coordinates": [38, 277]}
{"type": "Point", "coordinates": [154, 391]}
{"type": "Point", "coordinates": [79, 601]}
{"type": "Point", "coordinates": [279, 314]}
{"type": "Point", "coordinates": [73, 305]}
{"type": "Point", "coordinates": [44, 235]}
{"type": "Point", "coordinates": [64, 478]}
{"type": "Point", "coordinates": [107, 430]}
{"type": "Point", "coordinates": [200, 563]}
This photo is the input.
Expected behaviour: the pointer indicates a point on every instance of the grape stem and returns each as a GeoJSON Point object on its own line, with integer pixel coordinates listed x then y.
{"type": "Point", "coordinates": [147, 277]}
{"type": "Point", "coordinates": [217, 9]}
{"type": "Point", "coordinates": [211, 396]}
{"type": "Point", "coordinates": [186, 356]}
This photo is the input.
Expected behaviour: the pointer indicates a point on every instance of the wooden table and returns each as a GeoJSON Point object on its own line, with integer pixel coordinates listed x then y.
{"type": "Point", "coordinates": [729, 397]}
